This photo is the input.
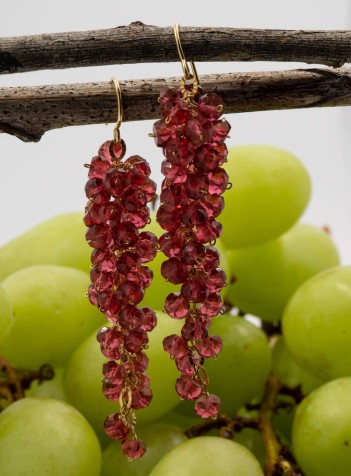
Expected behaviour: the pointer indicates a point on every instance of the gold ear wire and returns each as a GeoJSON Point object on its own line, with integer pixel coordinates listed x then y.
{"type": "Point", "coordinates": [116, 133]}
{"type": "Point", "coordinates": [187, 75]}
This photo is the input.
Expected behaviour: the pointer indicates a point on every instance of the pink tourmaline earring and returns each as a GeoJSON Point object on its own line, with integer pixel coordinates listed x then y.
{"type": "Point", "coordinates": [118, 192]}
{"type": "Point", "coordinates": [192, 136]}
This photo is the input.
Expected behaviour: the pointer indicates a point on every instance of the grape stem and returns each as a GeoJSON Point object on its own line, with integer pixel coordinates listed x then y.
{"type": "Point", "coordinates": [16, 381]}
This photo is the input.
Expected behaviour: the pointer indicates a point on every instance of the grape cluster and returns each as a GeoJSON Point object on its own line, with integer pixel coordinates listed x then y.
{"type": "Point", "coordinates": [118, 193]}
{"type": "Point", "coordinates": [192, 137]}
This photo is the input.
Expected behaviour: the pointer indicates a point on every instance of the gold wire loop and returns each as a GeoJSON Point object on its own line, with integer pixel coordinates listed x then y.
{"type": "Point", "coordinates": [187, 75]}
{"type": "Point", "coordinates": [116, 133]}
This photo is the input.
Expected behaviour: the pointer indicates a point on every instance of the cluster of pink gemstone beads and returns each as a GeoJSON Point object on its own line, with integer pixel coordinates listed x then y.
{"type": "Point", "coordinates": [192, 136]}
{"type": "Point", "coordinates": [118, 193]}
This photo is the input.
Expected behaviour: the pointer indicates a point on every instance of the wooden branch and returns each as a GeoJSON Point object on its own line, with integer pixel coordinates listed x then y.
{"type": "Point", "coordinates": [28, 112]}
{"type": "Point", "coordinates": [139, 43]}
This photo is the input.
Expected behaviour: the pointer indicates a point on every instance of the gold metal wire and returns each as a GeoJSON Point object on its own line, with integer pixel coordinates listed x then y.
{"type": "Point", "coordinates": [116, 133]}
{"type": "Point", "coordinates": [186, 71]}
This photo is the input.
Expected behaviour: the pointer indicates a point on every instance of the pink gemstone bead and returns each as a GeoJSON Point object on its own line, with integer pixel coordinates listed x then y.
{"type": "Point", "coordinates": [125, 234]}
{"type": "Point", "coordinates": [136, 340]}
{"type": "Point", "coordinates": [181, 153]}
{"type": "Point", "coordinates": [102, 280]}
{"type": "Point", "coordinates": [130, 317]}
{"type": "Point", "coordinates": [109, 304]}
{"type": "Point", "coordinates": [206, 158]}
{"type": "Point", "coordinates": [207, 406]}
{"type": "Point", "coordinates": [140, 362]}
{"type": "Point", "coordinates": [194, 290]}
{"type": "Point", "coordinates": [138, 218]}
{"type": "Point", "coordinates": [138, 164]}
{"type": "Point", "coordinates": [149, 188]}
{"type": "Point", "coordinates": [168, 217]}
{"type": "Point", "coordinates": [130, 293]}
{"type": "Point", "coordinates": [141, 276]}
{"type": "Point", "coordinates": [198, 130]}
{"type": "Point", "coordinates": [110, 340]}
{"type": "Point", "coordinates": [171, 244]}
{"type": "Point", "coordinates": [141, 397]}
{"type": "Point", "coordinates": [218, 181]}
{"type": "Point", "coordinates": [146, 246]}
{"type": "Point", "coordinates": [179, 114]}
{"type": "Point", "coordinates": [174, 271]}
{"type": "Point", "coordinates": [174, 195]}
{"type": "Point", "coordinates": [133, 449]}
{"type": "Point", "coordinates": [215, 281]}
{"type": "Point", "coordinates": [196, 185]}
{"type": "Point", "coordinates": [114, 372]}
{"type": "Point", "coordinates": [128, 261]}
{"type": "Point", "coordinates": [194, 214]}
{"type": "Point", "coordinates": [211, 106]}
{"type": "Point", "coordinates": [176, 306]}
{"type": "Point", "coordinates": [193, 253]}
{"type": "Point", "coordinates": [173, 172]}
{"type": "Point", "coordinates": [221, 130]}
{"type": "Point", "coordinates": [184, 365]}
{"type": "Point", "coordinates": [149, 319]}
{"type": "Point", "coordinates": [176, 346]}
{"type": "Point", "coordinates": [104, 260]}
{"type": "Point", "coordinates": [100, 213]}
{"type": "Point", "coordinates": [115, 428]}
{"type": "Point", "coordinates": [194, 331]}
{"type": "Point", "coordinates": [133, 199]}
{"type": "Point", "coordinates": [111, 390]}
{"type": "Point", "coordinates": [92, 295]}
{"type": "Point", "coordinates": [213, 205]}
{"type": "Point", "coordinates": [165, 133]}
{"type": "Point", "coordinates": [210, 346]}
{"type": "Point", "coordinates": [98, 167]}
{"type": "Point", "coordinates": [209, 231]}
{"type": "Point", "coordinates": [104, 151]}
{"type": "Point", "coordinates": [211, 306]}
{"type": "Point", "coordinates": [168, 98]}
{"type": "Point", "coordinates": [98, 236]}
{"type": "Point", "coordinates": [187, 388]}
{"type": "Point", "coordinates": [115, 181]}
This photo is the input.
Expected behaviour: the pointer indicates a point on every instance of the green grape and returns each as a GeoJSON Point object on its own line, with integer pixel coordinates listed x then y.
{"type": "Point", "coordinates": [267, 275]}
{"type": "Point", "coordinates": [58, 241]}
{"type": "Point", "coordinates": [51, 315]}
{"type": "Point", "coordinates": [289, 372]}
{"type": "Point", "coordinates": [271, 189]}
{"type": "Point", "coordinates": [160, 438]}
{"type": "Point", "coordinates": [48, 388]}
{"type": "Point", "coordinates": [322, 430]}
{"type": "Point", "coordinates": [317, 324]}
{"type": "Point", "coordinates": [6, 315]}
{"type": "Point", "coordinates": [252, 440]}
{"type": "Point", "coordinates": [208, 456]}
{"type": "Point", "coordinates": [159, 289]}
{"type": "Point", "coordinates": [47, 437]}
{"type": "Point", "coordinates": [82, 378]}
{"type": "Point", "coordinates": [240, 371]}
{"type": "Point", "coordinates": [179, 419]}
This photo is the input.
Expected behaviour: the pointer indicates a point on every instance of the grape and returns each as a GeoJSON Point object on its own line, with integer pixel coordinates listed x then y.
{"type": "Point", "coordinates": [48, 388]}
{"type": "Point", "coordinates": [45, 436]}
{"type": "Point", "coordinates": [156, 294]}
{"type": "Point", "coordinates": [252, 440]}
{"type": "Point", "coordinates": [289, 372]}
{"type": "Point", "coordinates": [6, 315]}
{"type": "Point", "coordinates": [160, 438]}
{"type": "Point", "coordinates": [58, 241]}
{"type": "Point", "coordinates": [208, 456]}
{"type": "Point", "coordinates": [241, 369]}
{"type": "Point", "coordinates": [268, 274]}
{"type": "Point", "coordinates": [82, 378]}
{"type": "Point", "coordinates": [322, 430]}
{"type": "Point", "coordinates": [317, 324]}
{"type": "Point", "coordinates": [52, 316]}
{"type": "Point", "coordinates": [177, 418]}
{"type": "Point", "coordinates": [271, 189]}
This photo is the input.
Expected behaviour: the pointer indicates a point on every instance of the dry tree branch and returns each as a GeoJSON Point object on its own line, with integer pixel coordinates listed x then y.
{"type": "Point", "coordinates": [139, 43]}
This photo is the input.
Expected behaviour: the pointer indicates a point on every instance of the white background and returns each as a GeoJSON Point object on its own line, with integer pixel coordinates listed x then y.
{"type": "Point", "coordinates": [40, 180]}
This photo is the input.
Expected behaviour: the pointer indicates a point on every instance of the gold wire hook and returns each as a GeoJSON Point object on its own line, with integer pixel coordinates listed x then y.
{"type": "Point", "coordinates": [116, 134]}
{"type": "Point", "coordinates": [186, 71]}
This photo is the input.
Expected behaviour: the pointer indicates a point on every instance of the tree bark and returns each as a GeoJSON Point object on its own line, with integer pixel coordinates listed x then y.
{"type": "Point", "coordinates": [28, 112]}
{"type": "Point", "coordinates": [139, 43]}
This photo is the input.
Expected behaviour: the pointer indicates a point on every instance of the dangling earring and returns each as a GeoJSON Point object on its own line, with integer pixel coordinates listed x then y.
{"type": "Point", "coordinates": [192, 136]}
{"type": "Point", "coordinates": [118, 192]}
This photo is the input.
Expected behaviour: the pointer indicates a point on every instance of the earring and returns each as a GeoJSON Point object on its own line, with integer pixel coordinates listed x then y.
{"type": "Point", "coordinates": [192, 136]}
{"type": "Point", "coordinates": [118, 192]}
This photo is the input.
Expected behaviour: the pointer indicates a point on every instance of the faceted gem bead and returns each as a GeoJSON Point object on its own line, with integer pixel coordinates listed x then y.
{"type": "Point", "coordinates": [165, 133]}
{"type": "Point", "coordinates": [115, 428]}
{"type": "Point", "coordinates": [130, 293]}
{"type": "Point", "coordinates": [209, 231]}
{"type": "Point", "coordinates": [198, 130]}
{"type": "Point", "coordinates": [147, 246]}
{"type": "Point", "coordinates": [112, 390]}
{"type": "Point", "coordinates": [135, 341]}
{"type": "Point", "coordinates": [109, 303]}
{"type": "Point", "coordinates": [179, 114]}
{"type": "Point", "coordinates": [220, 130]}
{"type": "Point", "coordinates": [215, 281]}
{"type": "Point", "coordinates": [176, 306]}
{"type": "Point", "coordinates": [98, 167]}
{"type": "Point", "coordinates": [193, 253]}
{"type": "Point", "coordinates": [211, 306]}
{"type": "Point", "coordinates": [176, 346]}
{"type": "Point", "coordinates": [173, 172]}
{"type": "Point", "coordinates": [194, 331]}
{"type": "Point", "coordinates": [194, 214]}
{"type": "Point", "coordinates": [218, 181]}
{"type": "Point", "coordinates": [182, 152]}
{"type": "Point", "coordinates": [141, 397]}
{"type": "Point", "coordinates": [167, 99]}
{"type": "Point", "coordinates": [211, 106]}
{"type": "Point", "coordinates": [187, 388]}
{"type": "Point", "coordinates": [170, 244]}
{"type": "Point", "coordinates": [207, 406]}
{"type": "Point", "coordinates": [139, 218]}
{"type": "Point", "coordinates": [213, 205]}
{"type": "Point", "coordinates": [141, 276]}
{"type": "Point", "coordinates": [125, 234]}
{"type": "Point", "coordinates": [194, 290]}
{"type": "Point", "coordinates": [174, 271]}
{"type": "Point", "coordinates": [196, 185]}
{"type": "Point", "coordinates": [114, 372]}
{"type": "Point", "coordinates": [168, 217]}
{"type": "Point", "coordinates": [174, 195]}
{"type": "Point", "coordinates": [130, 317]}
{"type": "Point", "coordinates": [110, 340]}
{"type": "Point", "coordinates": [115, 181]}
{"type": "Point", "coordinates": [210, 346]}
{"type": "Point", "coordinates": [102, 280]}
{"type": "Point", "coordinates": [104, 152]}
{"type": "Point", "coordinates": [98, 236]}
{"type": "Point", "coordinates": [184, 365]}
{"type": "Point", "coordinates": [149, 319]}
{"type": "Point", "coordinates": [133, 449]}
{"type": "Point", "coordinates": [132, 199]}
{"type": "Point", "coordinates": [138, 164]}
